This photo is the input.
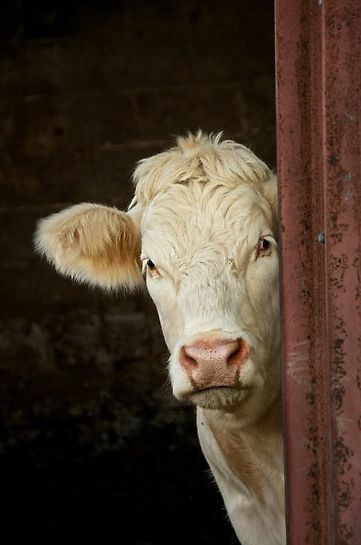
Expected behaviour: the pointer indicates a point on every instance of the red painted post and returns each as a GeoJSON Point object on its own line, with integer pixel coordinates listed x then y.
{"type": "Point", "coordinates": [318, 72]}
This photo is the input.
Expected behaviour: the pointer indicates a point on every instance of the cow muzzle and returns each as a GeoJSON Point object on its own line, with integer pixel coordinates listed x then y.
{"type": "Point", "coordinates": [214, 363]}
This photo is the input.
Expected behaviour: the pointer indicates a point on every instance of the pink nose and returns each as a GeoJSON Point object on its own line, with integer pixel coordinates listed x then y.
{"type": "Point", "coordinates": [214, 363]}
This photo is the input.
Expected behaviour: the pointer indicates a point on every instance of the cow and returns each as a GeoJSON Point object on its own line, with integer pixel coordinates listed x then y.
{"type": "Point", "coordinates": [202, 231]}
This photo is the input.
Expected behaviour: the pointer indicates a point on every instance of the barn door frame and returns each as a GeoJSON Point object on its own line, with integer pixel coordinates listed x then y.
{"type": "Point", "coordinates": [318, 89]}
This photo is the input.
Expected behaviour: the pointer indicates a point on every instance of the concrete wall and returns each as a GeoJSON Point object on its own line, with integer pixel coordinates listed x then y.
{"type": "Point", "coordinates": [92, 440]}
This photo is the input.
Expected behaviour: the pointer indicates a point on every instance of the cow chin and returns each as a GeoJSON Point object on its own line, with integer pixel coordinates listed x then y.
{"type": "Point", "coordinates": [225, 398]}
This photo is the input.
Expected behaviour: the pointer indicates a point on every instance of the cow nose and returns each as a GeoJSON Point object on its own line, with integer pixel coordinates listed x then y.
{"type": "Point", "coordinates": [214, 362]}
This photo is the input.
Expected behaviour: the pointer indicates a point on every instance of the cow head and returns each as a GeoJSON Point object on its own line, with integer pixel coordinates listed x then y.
{"type": "Point", "coordinates": [201, 230]}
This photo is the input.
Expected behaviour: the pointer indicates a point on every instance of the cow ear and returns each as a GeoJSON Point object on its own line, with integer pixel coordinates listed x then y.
{"type": "Point", "coordinates": [270, 194]}
{"type": "Point", "coordinates": [94, 244]}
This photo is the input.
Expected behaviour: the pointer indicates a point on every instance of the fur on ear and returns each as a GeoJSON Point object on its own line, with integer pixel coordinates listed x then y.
{"type": "Point", "coordinates": [94, 244]}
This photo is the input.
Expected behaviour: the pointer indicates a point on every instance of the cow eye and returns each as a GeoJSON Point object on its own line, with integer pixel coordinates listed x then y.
{"type": "Point", "coordinates": [264, 247]}
{"type": "Point", "coordinates": [153, 271]}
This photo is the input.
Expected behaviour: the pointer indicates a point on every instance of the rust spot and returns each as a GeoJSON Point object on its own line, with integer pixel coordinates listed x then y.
{"type": "Point", "coordinates": [358, 378]}
{"type": "Point", "coordinates": [338, 343]}
{"type": "Point", "coordinates": [333, 160]}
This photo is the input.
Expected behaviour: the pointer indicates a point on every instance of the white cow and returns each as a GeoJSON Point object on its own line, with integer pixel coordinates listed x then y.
{"type": "Point", "coordinates": [202, 229]}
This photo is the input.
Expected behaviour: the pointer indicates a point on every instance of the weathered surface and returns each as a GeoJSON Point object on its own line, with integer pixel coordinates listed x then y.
{"type": "Point", "coordinates": [86, 90]}
{"type": "Point", "coordinates": [319, 105]}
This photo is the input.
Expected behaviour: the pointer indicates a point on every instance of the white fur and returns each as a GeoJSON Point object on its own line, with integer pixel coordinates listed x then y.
{"type": "Point", "coordinates": [198, 213]}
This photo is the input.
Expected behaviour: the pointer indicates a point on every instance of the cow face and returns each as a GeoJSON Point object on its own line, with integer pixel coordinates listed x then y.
{"type": "Point", "coordinates": [202, 230]}
{"type": "Point", "coordinates": [211, 266]}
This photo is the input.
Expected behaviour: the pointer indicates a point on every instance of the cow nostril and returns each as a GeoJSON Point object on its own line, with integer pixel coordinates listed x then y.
{"type": "Point", "coordinates": [186, 359]}
{"type": "Point", "coordinates": [239, 354]}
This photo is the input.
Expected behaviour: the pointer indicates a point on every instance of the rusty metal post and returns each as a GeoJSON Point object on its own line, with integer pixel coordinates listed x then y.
{"type": "Point", "coordinates": [318, 72]}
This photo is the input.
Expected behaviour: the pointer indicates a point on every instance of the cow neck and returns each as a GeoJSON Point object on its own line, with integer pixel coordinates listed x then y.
{"type": "Point", "coordinates": [252, 451]}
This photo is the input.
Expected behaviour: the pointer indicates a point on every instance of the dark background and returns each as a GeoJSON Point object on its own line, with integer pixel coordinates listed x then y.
{"type": "Point", "coordinates": [92, 442]}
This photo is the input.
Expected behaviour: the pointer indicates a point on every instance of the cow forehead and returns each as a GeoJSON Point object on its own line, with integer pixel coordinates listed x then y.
{"type": "Point", "coordinates": [203, 219]}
